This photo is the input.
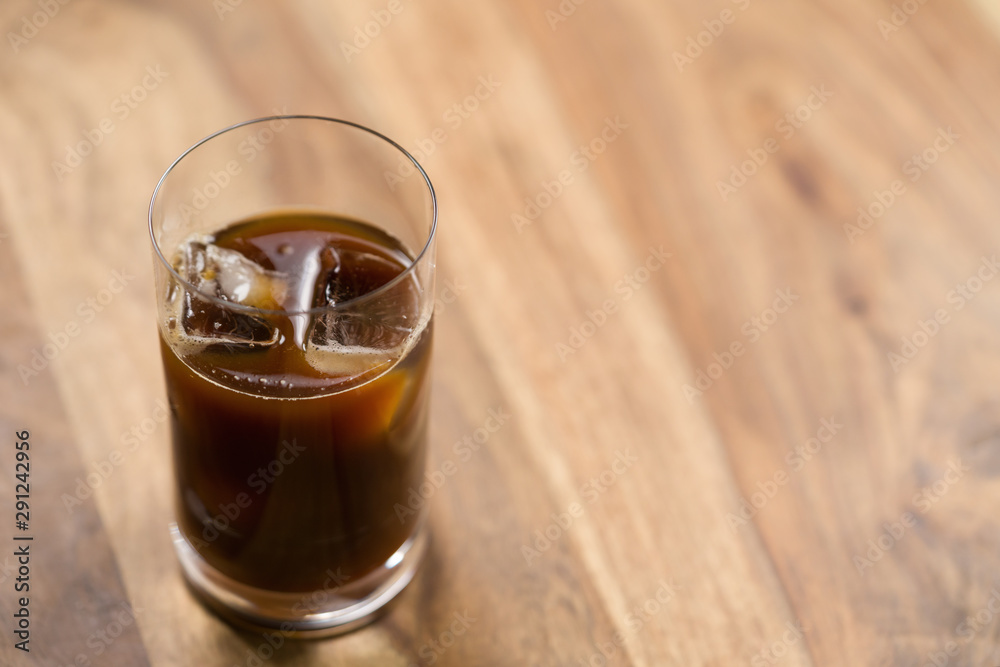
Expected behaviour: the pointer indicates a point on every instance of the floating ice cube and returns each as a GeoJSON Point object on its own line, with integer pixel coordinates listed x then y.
{"type": "Point", "coordinates": [356, 330]}
{"type": "Point", "coordinates": [229, 276]}
{"type": "Point", "coordinates": [347, 273]}
{"type": "Point", "coordinates": [367, 337]}
{"type": "Point", "coordinates": [206, 322]}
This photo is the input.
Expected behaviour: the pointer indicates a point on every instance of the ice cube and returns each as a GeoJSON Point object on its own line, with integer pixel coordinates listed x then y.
{"type": "Point", "coordinates": [347, 273]}
{"type": "Point", "coordinates": [368, 337]}
{"type": "Point", "coordinates": [352, 344]}
{"type": "Point", "coordinates": [229, 276]}
{"type": "Point", "coordinates": [356, 330]}
{"type": "Point", "coordinates": [382, 323]}
{"type": "Point", "coordinates": [209, 323]}
{"type": "Point", "coordinates": [348, 362]}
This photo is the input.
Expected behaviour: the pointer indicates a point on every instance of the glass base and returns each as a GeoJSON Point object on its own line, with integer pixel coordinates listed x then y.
{"type": "Point", "coordinates": [330, 611]}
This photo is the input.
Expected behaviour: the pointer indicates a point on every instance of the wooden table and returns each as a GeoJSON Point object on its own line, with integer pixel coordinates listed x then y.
{"type": "Point", "coordinates": [723, 270]}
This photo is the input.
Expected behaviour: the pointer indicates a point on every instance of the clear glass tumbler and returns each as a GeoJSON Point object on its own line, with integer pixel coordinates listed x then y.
{"type": "Point", "coordinates": [294, 267]}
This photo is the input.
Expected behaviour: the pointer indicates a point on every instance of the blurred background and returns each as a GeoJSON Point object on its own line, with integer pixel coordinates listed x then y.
{"type": "Point", "coordinates": [716, 333]}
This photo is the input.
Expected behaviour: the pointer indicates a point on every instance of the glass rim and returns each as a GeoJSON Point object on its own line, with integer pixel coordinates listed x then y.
{"type": "Point", "coordinates": [239, 307]}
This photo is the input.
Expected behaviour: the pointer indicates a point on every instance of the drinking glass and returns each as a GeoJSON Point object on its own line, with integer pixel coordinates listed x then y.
{"type": "Point", "coordinates": [293, 489]}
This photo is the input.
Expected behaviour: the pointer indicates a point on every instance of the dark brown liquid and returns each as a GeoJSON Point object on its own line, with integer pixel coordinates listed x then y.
{"type": "Point", "coordinates": [291, 458]}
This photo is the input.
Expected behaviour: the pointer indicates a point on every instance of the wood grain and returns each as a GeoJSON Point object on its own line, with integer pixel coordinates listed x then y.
{"type": "Point", "coordinates": [830, 446]}
{"type": "Point", "coordinates": [58, 572]}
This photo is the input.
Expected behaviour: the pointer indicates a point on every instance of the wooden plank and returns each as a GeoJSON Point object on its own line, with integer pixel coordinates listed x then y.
{"type": "Point", "coordinates": [59, 572]}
